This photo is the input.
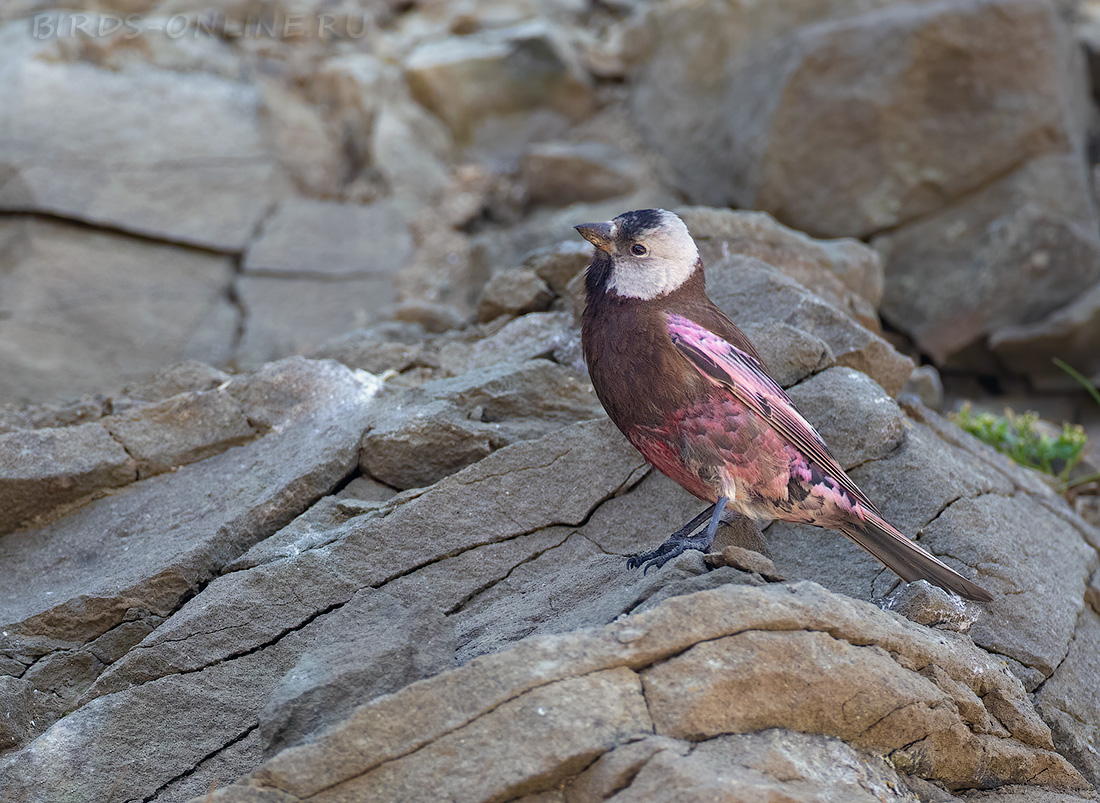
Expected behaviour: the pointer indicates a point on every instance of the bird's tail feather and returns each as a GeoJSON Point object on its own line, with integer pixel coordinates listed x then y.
{"type": "Point", "coordinates": [908, 560]}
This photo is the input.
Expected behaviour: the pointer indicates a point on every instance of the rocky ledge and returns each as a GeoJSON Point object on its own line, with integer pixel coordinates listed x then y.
{"type": "Point", "coordinates": [394, 570]}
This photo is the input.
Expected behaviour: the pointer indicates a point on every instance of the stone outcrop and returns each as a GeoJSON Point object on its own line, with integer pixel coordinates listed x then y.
{"type": "Point", "coordinates": [390, 566]}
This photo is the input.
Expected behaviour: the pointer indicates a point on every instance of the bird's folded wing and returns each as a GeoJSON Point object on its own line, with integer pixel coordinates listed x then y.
{"type": "Point", "coordinates": [744, 377]}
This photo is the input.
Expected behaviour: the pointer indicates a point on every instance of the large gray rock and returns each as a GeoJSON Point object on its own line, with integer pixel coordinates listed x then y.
{"type": "Point", "coordinates": [497, 72]}
{"type": "Point", "coordinates": [1001, 258]}
{"type": "Point", "coordinates": [1070, 334]}
{"type": "Point", "coordinates": [881, 98]}
{"type": "Point", "coordinates": [846, 273]}
{"type": "Point", "coordinates": [795, 331]}
{"type": "Point", "coordinates": [176, 155]}
{"type": "Point", "coordinates": [42, 470]}
{"type": "Point", "coordinates": [139, 553]}
{"type": "Point", "coordinates": [424, 434]}
{"type": "Point", "coordinates": [65, 327]}
{"type": "Point", "coordinates": [432, 550]}
{"type": "Point", "coordinates": [434, 731]}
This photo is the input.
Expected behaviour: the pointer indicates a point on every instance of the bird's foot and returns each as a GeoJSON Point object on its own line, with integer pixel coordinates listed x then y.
{"type": "Point", "coordinates": [682, 540]}
{"type": "Point", "coordinates": [672, 548]}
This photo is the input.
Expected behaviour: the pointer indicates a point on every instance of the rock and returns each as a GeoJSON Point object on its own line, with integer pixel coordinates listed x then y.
{"type": "Point", "coordinates": [296, 315]}
{"type": "Point", "coordinates": [925, 604]}
{"type": "Point", "coordinates": [374, 644]}
{"type": "Point", "coordinates": [324, 239]}
{"type": "Point", "coordinates": [792, 108]}
{"type": "Point", "coordinates": [1005, 256]}
{"type": "Point", "coordinates": [307, 147]}
{"type": "Point", "coordinates": [1069, 700]}
{"type": "Point", "coordinates": [796, 332]}
{"type": "Point", "coordinates": [414, 450]}
{"type": "Point", "coordinates": [846, 273]}
{"type": "Point", "coordinates": [65, 329]}
{"type": "Point", "coordinates": [180, 430]}
{"type": "Point", "coordinates": [434, 318]}
{"type": "Point", "coordinates": [43, 470]}
{"type": "Point", "coordinates": [853, 414]}
{"type": "Point", "coordinates": [562, 173]}
{"type": "Point", "coordinates": [1069, 333]}
{"type": "Point", "coordinates": [537, 334]}
{"type": "Point", "coordinates": [139, 553]}
{"type": "Point", "coordinates": [513, 292]}
{"type": "Point", "coordinates": [215, 175]}
{"type": "Point", "coordinates": [959, 741]}
{"type": "Point", "coordinates": [445, 425]}
{"type": "Point", "coordinates": [498, 72]}
{"type": "Point", "coordinates": [771, 765]}
{"type": "Point", "coordinates": [926, 387]}
{"type": "Point", "coordinates": [558, 264]}
{"type": "Point", "coordinates": [411, 149]}
{"type": "Point", "coordinates": [387, 346]}
{"type": "Point", "coordinates": [747, 560]}
{"type": "Point", "coordinates": [189, 375]}
{"type": "Point", "coordinates": [1009, 524]}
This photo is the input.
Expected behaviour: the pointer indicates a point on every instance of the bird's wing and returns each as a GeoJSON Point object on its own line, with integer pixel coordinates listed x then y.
{"type": "Point", "coordinates": [744, 377]}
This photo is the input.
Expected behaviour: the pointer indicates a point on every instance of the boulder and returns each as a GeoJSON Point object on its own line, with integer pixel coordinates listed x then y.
{"type": "Point", "coordinates": [498, 71]}
{"type": "Point", "coordinates": [557, 264]}
{"type": "Point", "coordinates": [180, 430]}
{"type": "Point", "coordinates": [881, 98]}
{"type": "Point", "coordinates": [42, 470]}
{"type": "Point", "coordinates": [845, 272]}
{"type": "Point", "coordinates": [562, 173]}
{"type": "Point", "coordinates": [795, 331]}
{"type": "Point", "coordinates": [424, 434]}
{"type": "Point", "coordinates": [65, 327]}
{"type": "Point", "coordinates": [1002, 258]}
{"type": "Point", "coordinates": [513, 292]}
{"type": "Point", "coordinates": [1069, 333]}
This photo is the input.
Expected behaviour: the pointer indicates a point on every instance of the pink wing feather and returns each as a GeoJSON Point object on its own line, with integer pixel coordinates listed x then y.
{"type": "Point", "coordinates": [744, 377]}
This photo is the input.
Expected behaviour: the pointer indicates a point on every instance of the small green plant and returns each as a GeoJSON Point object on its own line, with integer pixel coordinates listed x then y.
{"type": "Point", "coordinates": [1091, 389]}
{"type": "Point", "coordinates": [1018, 436]}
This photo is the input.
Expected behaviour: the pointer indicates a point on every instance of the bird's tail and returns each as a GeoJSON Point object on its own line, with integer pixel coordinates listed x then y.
{"type": "Point", "coordinates": [908, 560]}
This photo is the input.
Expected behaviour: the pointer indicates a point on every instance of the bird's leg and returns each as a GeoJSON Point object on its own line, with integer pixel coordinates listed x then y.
{"type": "Point", "coordinates": [682, 540]}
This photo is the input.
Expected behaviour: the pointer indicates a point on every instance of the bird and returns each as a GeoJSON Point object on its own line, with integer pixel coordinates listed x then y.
{"type": "Point", "coordinates": [690, 392]}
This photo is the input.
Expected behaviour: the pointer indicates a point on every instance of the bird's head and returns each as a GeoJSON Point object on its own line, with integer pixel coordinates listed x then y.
{"type": "Point", "coordinates": [642, 254]}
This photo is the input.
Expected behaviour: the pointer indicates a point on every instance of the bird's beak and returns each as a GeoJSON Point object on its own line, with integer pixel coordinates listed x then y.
{"type": "Point", "coordinates": [599, 234]}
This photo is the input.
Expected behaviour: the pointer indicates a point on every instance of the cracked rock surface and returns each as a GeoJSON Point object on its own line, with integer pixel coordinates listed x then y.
{"type": "Point", "coordinates": [285, 588]}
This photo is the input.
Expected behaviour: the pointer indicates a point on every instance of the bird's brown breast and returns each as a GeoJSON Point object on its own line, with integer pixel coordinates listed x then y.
{"type": "Point", "coordinates": [639, 375]}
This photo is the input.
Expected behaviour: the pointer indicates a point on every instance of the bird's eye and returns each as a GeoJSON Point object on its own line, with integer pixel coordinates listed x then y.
{"type": "Point", "coordinates": [639, 250]}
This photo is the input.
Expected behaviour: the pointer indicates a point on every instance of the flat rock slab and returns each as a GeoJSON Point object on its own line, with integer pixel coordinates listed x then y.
{"type": "Point", "coordinates": [138, 553]}
{"type": "Point", "coordinates": [323, 239]}
{"type": "Point", "coordinates": [175, 155]}
{"type": "Point", "coordinates": [67, 328]}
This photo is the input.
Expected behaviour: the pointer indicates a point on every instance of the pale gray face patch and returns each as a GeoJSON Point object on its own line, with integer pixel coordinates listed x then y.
{"type": "Point", "coordinates": [669, 260]}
